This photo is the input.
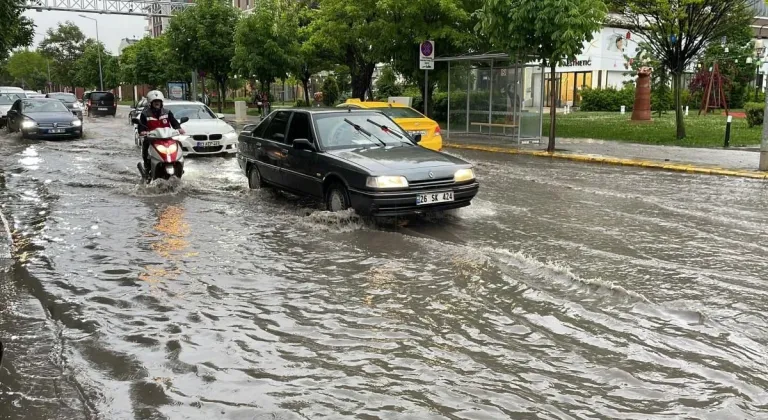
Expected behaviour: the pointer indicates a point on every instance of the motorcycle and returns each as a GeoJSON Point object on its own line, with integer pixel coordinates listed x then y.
{"type": "Point", "coordinates": [166, 158]}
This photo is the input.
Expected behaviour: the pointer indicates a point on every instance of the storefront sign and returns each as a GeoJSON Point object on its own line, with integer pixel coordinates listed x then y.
{"type": "Point", "coordinates": [577, 63]}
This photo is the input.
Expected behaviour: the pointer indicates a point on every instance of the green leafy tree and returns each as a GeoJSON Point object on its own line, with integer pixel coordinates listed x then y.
{"type": "Point", "coordinates": [127, 66]}
{"type": "Point", "coordinates": [63, 46]}
{"type": "Point", "coordinates": [330, 91]}
{"type": "Point", "coordinates": [386, 84]}
{"type": "Point", "coordinates": [449, 23]}
{"type": "Point", "coordinates": [16, 30]}
{"type": "Point", "coordinates": [28, 69]}
{"type": "Point", "coordinates": [87, 67]}
{"type": "Point", "coordinates": [261, 45]}
{"type": "Point", "coordinates": [551, 30]}
{"type": "Point", "coordinates": [152, 62]}
{"type": "Point", "coordinates": [201, 37]}
{"type": "Point", "coordinates": [305, 57]}
{"type": "Point", "coordinates": [679, 31]}
{"type": "Point", "coordinates": [353, 34]}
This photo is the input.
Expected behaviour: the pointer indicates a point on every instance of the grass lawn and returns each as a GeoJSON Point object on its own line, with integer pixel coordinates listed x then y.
{"type": "Point", "coordinates": [702, 131]}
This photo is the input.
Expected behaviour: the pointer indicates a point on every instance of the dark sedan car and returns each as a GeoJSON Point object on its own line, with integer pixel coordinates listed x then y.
{"type": "Point", "coordinates": [359, 159]}
{"type": "Point", "coordinates": [70, 101]}
{"type": "Point", "coordinates": [43, 117]}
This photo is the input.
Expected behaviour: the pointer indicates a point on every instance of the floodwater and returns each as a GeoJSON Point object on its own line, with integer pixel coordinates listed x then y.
{"type": "Point", "coordinates": [566, 291]}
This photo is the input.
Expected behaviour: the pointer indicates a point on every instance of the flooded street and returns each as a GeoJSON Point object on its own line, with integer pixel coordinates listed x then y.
{"type": "Point", "coordinates": [566, 291]}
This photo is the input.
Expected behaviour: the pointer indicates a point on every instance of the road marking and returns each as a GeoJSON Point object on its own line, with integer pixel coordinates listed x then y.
{"type": "Point", "coordinates": [675, 167]}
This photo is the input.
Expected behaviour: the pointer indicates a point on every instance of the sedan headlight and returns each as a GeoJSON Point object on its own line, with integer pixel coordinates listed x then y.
{"type": "Point", "coordinates": [464, 175]}
{"type": "Point", "coordinates": [386, 182]}
{"type": "Point", "coordinates": [232, 135]}
{"type": "Point", "coordinates": [77, 105]}
{"type": "Point", "coordinates": [28, 124]}
{"type": "Point", "coordinates": [77, 123]}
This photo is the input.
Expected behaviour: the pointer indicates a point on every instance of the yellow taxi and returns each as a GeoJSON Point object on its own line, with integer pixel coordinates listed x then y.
{"type": "Point", "coordinates": [407, 118]}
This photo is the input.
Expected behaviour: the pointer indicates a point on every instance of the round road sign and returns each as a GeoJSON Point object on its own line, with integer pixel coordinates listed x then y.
{"type": "Point", "coordinates": [426, 49]}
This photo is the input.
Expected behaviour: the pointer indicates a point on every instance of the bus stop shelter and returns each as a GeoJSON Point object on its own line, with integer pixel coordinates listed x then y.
{"type": "Point", "coordinates": [491, 95]}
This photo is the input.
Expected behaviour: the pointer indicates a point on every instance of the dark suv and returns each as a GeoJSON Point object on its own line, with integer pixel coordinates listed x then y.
{"type": "Point", "coordinates": [100, 103]}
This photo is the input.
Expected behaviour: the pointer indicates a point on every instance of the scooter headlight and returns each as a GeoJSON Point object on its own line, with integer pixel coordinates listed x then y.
{"type": "Point", "coordinates": [163, 149]}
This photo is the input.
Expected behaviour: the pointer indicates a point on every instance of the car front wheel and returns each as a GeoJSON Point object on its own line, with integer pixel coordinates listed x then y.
{"type": "Point", "coordinates": [337, 198]}
{"type": "Point", "coordinates": [255, 181]}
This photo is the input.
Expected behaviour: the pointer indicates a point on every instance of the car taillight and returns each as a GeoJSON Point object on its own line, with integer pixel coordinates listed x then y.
{"type": "Point", "coordinates": [167, 149]}
{"type": "Point", "coordinates": [437, 131]}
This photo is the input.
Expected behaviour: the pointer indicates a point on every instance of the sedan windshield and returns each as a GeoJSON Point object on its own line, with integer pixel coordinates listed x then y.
{"type": "Point", "coordinates": [32, 106]}
{"type": "Point", "coordinates": [398, 112]}
{"type": "Point", "coordinates": [191, 111]}
{"type": "Point", "coordinates": [8, 98]}
{"type": "Point", "coordinates": [355, 130]}
{"type": "Point", "coordinates": [66, 97]}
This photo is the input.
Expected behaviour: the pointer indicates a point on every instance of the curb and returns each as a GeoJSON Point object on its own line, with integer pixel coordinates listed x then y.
{"type": "Point", "coordinates": [639, 163]}
{"type": "Point", "coordinates": [6, 239]}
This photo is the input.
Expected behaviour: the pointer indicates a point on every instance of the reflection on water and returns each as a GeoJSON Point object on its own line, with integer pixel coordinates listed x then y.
{"type": "Point", "coordinates": [565, 291]}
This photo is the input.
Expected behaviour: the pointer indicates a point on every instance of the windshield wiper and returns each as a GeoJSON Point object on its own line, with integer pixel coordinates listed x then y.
{"type": "Point", "coordinates": [384, 128]}
{"type": "Point", "coordinates": [364, 131]}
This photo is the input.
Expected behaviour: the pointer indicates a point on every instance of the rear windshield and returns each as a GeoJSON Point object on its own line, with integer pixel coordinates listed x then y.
{"type": "Point", "coordinates": [66, 97]}
{"type": "Point", "coordinates": [8, 98]}
{"type": "Point", "coordinates": [397, 112]}
{"type": "Point", "coordinates": [102, 96]}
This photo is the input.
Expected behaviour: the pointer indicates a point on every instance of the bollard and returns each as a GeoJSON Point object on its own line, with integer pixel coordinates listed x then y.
{"type": "Point", "coordinates": [728, 132]}
{"type": "Point", "coordinates": [241, 110]}
{"type": "Point", "coordinates": [686, 110]}
{"type": "Point", "coordinates": [623, 109]}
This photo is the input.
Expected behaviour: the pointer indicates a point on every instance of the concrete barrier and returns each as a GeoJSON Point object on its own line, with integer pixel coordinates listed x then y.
{"type": "Point", "coordinates": [241, 111]}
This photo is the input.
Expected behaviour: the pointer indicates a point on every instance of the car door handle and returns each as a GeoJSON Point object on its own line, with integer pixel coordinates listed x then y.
{"type": "Point", "coordinates": [284, 151]}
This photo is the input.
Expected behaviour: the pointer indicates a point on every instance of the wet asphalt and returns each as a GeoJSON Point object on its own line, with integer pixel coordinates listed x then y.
{"type": "Point", "coordinates": [566, 291]}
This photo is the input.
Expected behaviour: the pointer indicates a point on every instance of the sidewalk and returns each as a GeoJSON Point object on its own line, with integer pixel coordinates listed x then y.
{"type": "Point", "coordinates": [742, 162]}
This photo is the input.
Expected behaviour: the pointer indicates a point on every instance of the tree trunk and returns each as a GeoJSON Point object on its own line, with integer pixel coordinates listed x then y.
{"type": "Point", "coordinates": [361, 80]}
{"type": "Point", "coordinates": [305, 83]}
{"type": "Point", "coordinates": [221, 83]}
{"type": "Point", "coordinates": [552, 109]}
{"type": "Point", "coordinates": [679, 121]}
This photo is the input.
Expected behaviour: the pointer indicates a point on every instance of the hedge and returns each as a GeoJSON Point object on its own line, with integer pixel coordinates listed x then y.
{"type": "Point", "coordinates": [608, 99]}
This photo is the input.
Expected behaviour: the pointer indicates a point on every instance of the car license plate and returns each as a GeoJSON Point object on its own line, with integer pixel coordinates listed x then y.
{"type": "Point", "coordinates": [431, 198]}
{"type": "Point", "coordinates": [101, 109]}
{"type": "Point", "coordinates": [56, 131]}
{"type": "Point", "coordinates": [413, 133]}
{"type": "Point", "coordinates": [208, 143]}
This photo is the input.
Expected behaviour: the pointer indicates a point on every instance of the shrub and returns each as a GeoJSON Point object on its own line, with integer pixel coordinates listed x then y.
{"type": "Point", "coordinates": [330, 91]}
{"type": "Point", "coordinates": [478, 101]}
{"type": "Point", "coordinates": [608, 99]}
{"type": "Point", "coordinates": [754, 111]}
{"type": "Point", "coordinates": [387, 85]}
{"type": "Point", "coordinates": [300, 104]}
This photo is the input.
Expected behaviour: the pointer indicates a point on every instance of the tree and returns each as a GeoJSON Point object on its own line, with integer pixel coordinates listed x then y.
{"type": "Point", "coordinates": [305, 57]}
{"type": "Point", "coordinates": [353, 34]}
{"type": "Point", "coordinates": [330, 91]}
{"type": "Point", "coordinates": [679, 31]}
{"type": "Point", "coordinates": [16, 30]}
{"type": "Point", "coordinates": [260, 45]}
{"type": "Point", "coordinates": [202, 39]}
{"type": "Point", "coordinates": [64, 46]}
{"type": "Point", "coordinates": [550, 30]}
{"type": "Point", "coordinates": [87, 66]}
{"type": "Point", "coordinates": [150, 61]}
{"type": "Point", "coordinates": [29, 69]}
{"type": "Point", "coordinates": [386, 84]}
{"type": "Point", "coordinates": [449, 23]}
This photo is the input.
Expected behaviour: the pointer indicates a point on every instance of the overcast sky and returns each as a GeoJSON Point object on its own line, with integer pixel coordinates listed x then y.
{"type": "Point", "coordinates": [112, 28]}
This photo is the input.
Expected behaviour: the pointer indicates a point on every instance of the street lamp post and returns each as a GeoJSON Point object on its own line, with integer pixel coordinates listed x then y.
{"type": "Point", "coordinates": [101, 77]}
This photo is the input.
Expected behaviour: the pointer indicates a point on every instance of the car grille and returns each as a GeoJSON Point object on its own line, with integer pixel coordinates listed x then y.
{"type": "Point", "coordinates": [430, 184]}
{"type": "Point", "coordinates": [203, 137]}
{"type": "Point", "coordinates": [50, 125]}
{"type": "Point", "coordinates": [207, 149]}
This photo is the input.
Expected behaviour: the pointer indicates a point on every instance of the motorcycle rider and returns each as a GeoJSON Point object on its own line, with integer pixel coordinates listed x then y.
{"type": "Point", "coordinates": [152, 117]}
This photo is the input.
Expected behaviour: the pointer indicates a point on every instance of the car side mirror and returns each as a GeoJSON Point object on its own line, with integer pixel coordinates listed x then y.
{"type": "Point", "coordinates": [135, 121]}
{"type": "Point", "coordinates": [417, 138]}
{"type": "Point", "coordinates": [183, 120]}
{"type": "Point", "coordinates": [220, 116]}
{"type": "Point", "coordinates": [11, 112]}
{"type": "Point", "coordinates": [303, 144]}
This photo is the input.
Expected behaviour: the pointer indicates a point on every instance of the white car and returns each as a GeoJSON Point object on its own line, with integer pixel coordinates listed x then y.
{"type": "Point", "coordinates": [205, 133]}
{"type": "Point", "coordinates": [33, 94]}
{"type": "Point", "coordinates": [6, 102]}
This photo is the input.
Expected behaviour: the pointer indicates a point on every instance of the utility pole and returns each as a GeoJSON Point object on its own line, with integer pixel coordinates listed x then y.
{"type": "Point", "coordinates": [98, 44]}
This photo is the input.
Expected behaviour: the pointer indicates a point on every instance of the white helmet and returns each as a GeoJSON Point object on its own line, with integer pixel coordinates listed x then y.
{"type": "Point", "coordinates": [155, 95]}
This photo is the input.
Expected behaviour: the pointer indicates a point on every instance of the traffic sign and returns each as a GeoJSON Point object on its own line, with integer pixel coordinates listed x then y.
{"type": "Point", "coordinates": [427, 55]}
